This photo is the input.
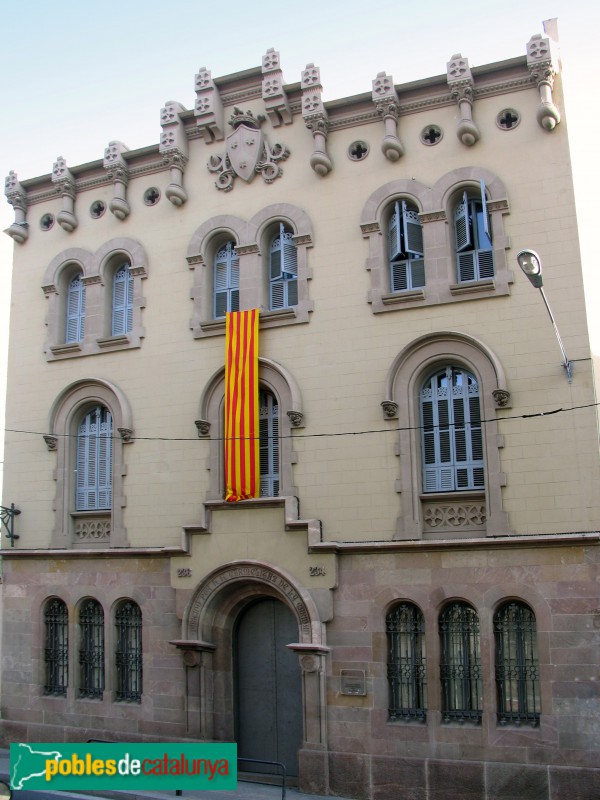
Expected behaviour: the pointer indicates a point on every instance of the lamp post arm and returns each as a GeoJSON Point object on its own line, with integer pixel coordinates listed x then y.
{"type": "Point", "coordinates": [568, 365]}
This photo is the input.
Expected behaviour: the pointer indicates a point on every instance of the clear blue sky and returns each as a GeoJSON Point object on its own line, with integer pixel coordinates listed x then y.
{"type": "Point", "coordinates": [75, 75]}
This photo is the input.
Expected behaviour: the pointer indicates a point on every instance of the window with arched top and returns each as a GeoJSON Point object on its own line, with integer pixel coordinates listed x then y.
{"type": "Point", "coordinates": [460, 664]}
{"type": "Point", "coordinates": [122, 301]}
{"type": "Point", "coordinates": [128, 652]}
{"type": "Point", "coordinates": [56, 647]}
{"type": "Point", "coordinates": [226, 280]}
{"type": "Point", "coordinates": [451, 431]}
{"type": "Point", "coordinates": [94, 461]}
{"type": "Point", "coordinates": [283, 269]}
{"type": "Point", "coordinates": [405, 248]}
{"type": "Point", "coordinates": [407, 663]}
{"type": "Point", "coordinates": [75, 314]}
{"type": "Point", "coordinates": [473, 237]}
{"type": "Point", "coordinates": [269, 443]}
{"type": "Point", "coordinates": [517, 665]}
{"type": "Point", "coordinates": [91, 650]}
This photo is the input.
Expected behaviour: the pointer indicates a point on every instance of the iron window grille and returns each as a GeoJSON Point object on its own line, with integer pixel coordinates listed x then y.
{"type": "Point", "coordinates": [91, 653]}
{"type": "Point", "coordinates": [56, 651]}
{"type": "Point", "coordinates": [460, 667]}
{"type": "Point", "coordinates": [517, 665]}
{"type": "Point", "coordinates": [128, 656]}
{"type": "Point", "coordinates": [407, 666]}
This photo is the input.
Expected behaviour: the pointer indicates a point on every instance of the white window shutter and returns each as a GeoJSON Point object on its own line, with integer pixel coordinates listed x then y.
{"type": "Point", "coordinates": [394, 234]}
{"type": "Point", "coordinates": [486, 219]}
{"type": "Point", "coordinates": [75, 326]}
{"type": "Point", "coordinates": [413, 231]}
{"type": "Point", "coordinates": [122, 311]}
{"type": "Point", "coordinates": [226, 281]}
{"type": "Point", "coordinates": [462, 227]}
{"type": "Point", "coordinates": [269, 444]}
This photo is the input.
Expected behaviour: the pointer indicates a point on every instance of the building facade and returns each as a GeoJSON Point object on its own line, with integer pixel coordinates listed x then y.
{"type": "Point", "coordinates": [410, 608]}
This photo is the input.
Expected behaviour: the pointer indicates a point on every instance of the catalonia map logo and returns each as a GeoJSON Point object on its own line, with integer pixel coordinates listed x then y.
{"type": "Point", "coordinates": [121, 765]}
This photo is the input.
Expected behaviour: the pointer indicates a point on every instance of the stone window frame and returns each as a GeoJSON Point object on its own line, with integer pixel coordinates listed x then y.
{"type": "Point", "coordinates": [98, 270]}
{"type": "Point", "coordinates": [435, 206]}
{"type": "Point", "coordinates": [252, 245]}
{"type": "Point", "coordinates": [419, 513]}
{"type": "Point", "coordinates": [66, 412]}
{"type": "Point", "coordinates": [274, 378]}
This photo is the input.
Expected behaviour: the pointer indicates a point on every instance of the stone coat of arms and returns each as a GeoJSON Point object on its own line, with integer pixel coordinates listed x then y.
{"type": "Point", "coordinates": [247, 153]}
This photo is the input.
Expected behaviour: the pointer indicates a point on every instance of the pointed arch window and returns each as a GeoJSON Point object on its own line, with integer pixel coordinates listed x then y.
{"type": "Point", "coordinates": [91, 652]}
{"type": "Point", "coordinates": [452, 441]}
{"type": "Point", "coordinates": [122, 301]}
{"type": "Point", "coordinates": [56, 650]}
{"type": "Point", "coordinates": [517, 665]}
{"type": "Point", "coordinates": [269, 444]}
{"type": "Point", "coordinates": [75, 326]}
{"type": "Point", "coordinates": [474, 251]}
{"type": "Point", "coordinates": [283, 270]}
{"type": "Point", "coordinates": [407, 665]}
{"type": "Point", "coordinates": [226, 280]}
{"type": "Point", "coordinates": [405, 248]}
{"type": "Point", "coordinates": [94, 461]}
{"type": "Point", "coordinates": [460, 666]}
{"type": "Point", "coordinates": [128, 655]}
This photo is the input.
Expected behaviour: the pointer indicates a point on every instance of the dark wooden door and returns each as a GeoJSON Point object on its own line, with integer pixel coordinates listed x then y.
{"type": "Point", "coordinates": [268, 683]}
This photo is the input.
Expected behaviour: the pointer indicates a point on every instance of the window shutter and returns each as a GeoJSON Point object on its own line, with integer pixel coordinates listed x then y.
{"type": "Point", "coordinates": [283, 270]}
{"type": "Point", "coordinates": [226, 281]}
{"type": "Point", "coordinates": [292, 292]}
{"type": "Point", "coordinates": [104, 459]}
{"type": "Point", "coordinates": [277, 295]}
{"type": "Point", "coordinates": [394, 234]}
{"type": "Point", "coordinates": [485, 259]}
{"type": "Point", "coordinates": [486, 219]}
{"type": "Point", "coordinates": [269, 445]}
{"type": "Point", "coordinates": [399, 276]}
{"type": "Point", "coordinates": [290, 254]}
{"type": "Point", "coordinates": [275, 258]}
{"type": "Point", "coordinates": [417, 270]}
{"type": "Point", "coordinates": [413, 231]}
{"type": "Point", "coordinates": [82, 467]}
{"type": "Point", "coordinates": [120, 298]}
{"type": "Point", "coordinates": [462, 227]}
{"type": "Point", "coordinates": [75, 310]}
{"type": "Point", "coordinates": [466, 266]}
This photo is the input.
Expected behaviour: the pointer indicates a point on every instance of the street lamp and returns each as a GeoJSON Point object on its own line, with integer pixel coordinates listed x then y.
{"type": "Point", "coordinates": [531, 264]}
{"type": "Point", "coordinates": [7, 518]}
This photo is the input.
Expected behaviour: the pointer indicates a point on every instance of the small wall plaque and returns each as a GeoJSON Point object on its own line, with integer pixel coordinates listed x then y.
{"type": "Point", "coordinates": [353, 682]}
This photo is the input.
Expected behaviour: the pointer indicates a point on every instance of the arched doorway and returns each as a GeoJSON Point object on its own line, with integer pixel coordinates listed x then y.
{"type": "Point", "coordinates": [268, 693]}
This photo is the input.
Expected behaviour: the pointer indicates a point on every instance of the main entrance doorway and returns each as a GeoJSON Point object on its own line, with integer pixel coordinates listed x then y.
{"type": "Point", "coordinates": [268, 686]}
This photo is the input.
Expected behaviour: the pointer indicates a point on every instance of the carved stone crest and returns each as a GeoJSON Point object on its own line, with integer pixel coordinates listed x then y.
{"type": "Point", "coordinates": [248, 152]}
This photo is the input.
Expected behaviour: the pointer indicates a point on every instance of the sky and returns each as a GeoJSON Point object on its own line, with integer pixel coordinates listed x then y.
{"type": "Point", "coordinates": [75, 75]}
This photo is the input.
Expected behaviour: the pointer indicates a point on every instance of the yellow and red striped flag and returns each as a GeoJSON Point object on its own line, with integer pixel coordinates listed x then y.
{"type": "Point", "coordinates": [242, 466]}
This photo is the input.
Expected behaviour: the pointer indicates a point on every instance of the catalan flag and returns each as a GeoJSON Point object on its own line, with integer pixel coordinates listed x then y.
{"type": "Point", "coordinates": [242, 471]}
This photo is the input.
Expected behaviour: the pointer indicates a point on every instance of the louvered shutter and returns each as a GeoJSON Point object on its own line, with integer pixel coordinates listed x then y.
{"type": "Point", "coordinates": [417, 272]}
{"type": "Point", "coordinates": [226, 281]}
{"type": "Point", "coordinates": [94, 461]}
{"type": "Point", "coordinates": [485, 260]}
{"type": "Point", "coordinates": [283, 270]}
{"type": "Point", "coordinates": [75, 310]}
{"type": "Point", "coordinates": [269, 445]}
{"type": "Point", "coordinates": [81, 499]}
{"type": "Point", "coordinates": [104, 455]}
{"type": "Point", "coordinates": [413, 231]}
{"type": "Point", "coordinates": [234, 280]}
{"type": "Point", "coordinates": [467, 266]}
{"type": "Point", "coordinates": [399, 276]}
{"type": "Point", "coordinates": [462, 227]}
{"type": "Point", "coordinates": [120, 298]}
{"type": "Point", "coordinates": [486, 219]}
{"type": "Point", "coordinates": [394, 234]}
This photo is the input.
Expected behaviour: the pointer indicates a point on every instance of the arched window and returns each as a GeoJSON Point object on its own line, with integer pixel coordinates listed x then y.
{"type": "Point", "coordinates": [226, 280]}
{"type": "Point", "coordinates": [451, 432]}
{"type": "Point", "coordinates": [407, 665]}
{"type": "Point", "coordinates": [405, 248]}
{"type": "Point", "coordinates": [128, 654]}
{"type": "Point", "coordinates": [517, 665]}
{"type": "Point", "coordinates": [94, 461]}
{"type": "Point", "coordinates": [460, 664]}
{"type": "Point", "coordinates": [56, 649]}
{"type": "Point", "coordinates": [473, 237]}
{"type": "Point", "coordinates": [91, 652]}
{"type": "Point", "coordinates": [122, 301]}
{"type": "Point", "coordinates": [75, 323]}
{"type": "Point", "coordinates": [283, 269]}
{"type": "Point", "coordinates": [269, 444]}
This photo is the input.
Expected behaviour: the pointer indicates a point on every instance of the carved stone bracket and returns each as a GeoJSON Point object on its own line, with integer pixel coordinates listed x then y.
{"type": "Point", "coordinates": [208, 109]}
{"type": "Point", "coordinates": [116, 168]}
{"type": "Point", "coordinates": [387, 104]}
{"type": "Point", "coordinates": [390, 409]}
{"type": "Point", "coordinates": [65, 182]}
{"type": "Point", "coordinates": [174, 148]}
{"type": "Point", "coordinates": [17, 198]}
{"type": "Point", "coordinates": [296, 418]}
{"type": "Point", "coordinates": [460, 82]}
{"type": "Point", "coordinates": [51, 442]}
{"type": "Point", "coordinates": [502, 398]}
{"type": "Point", "coordinates": [273, 93]}
{"type": "Point", "coordinates": [542, 65]}
{"type": "Point", "coordinates": [248, 152]}
{"type": "Point", "coordinates": [315, 118]}
{"type": "Point", "coordinates": [203, 427]}
{"type": "Point", "coordinates": [126, 435]}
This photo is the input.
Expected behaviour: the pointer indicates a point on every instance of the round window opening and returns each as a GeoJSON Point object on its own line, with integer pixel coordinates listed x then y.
{"type": "Point", "coordinates": [508, 119]}
{"type": "Point", "coordinates": [431, 134]}
{"type": "Point", "coordinates": [46, 222]}
{"type": "Point", "coordinates": [151, 196]}
{"type": "Point", "coordinates": [97, 209]}
{"type": "Point", "coordinates": [358, 151]}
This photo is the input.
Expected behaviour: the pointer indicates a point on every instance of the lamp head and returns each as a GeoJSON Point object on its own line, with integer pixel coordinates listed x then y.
{"type": "Point", "coordinates": [531, 264]}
